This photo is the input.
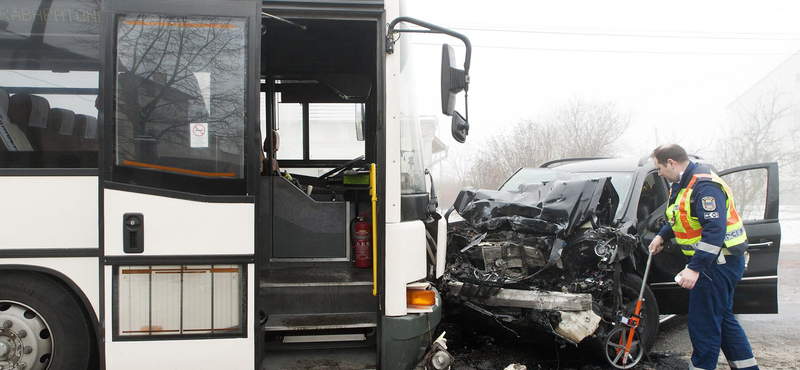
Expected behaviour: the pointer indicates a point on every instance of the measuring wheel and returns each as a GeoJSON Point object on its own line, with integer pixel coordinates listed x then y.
{"type": "Point", "coordinates": [615, 348]}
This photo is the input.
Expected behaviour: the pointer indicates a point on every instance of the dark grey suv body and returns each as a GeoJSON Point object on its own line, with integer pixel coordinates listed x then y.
{"type": "Point", "coordinates": [641, 210]}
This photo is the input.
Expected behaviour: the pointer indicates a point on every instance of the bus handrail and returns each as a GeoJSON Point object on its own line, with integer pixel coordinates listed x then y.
{"type": "Point", "coordinates": [374, 196]}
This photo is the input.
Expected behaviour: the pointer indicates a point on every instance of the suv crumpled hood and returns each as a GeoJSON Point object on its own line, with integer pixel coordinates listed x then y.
{"type": "Point", "coordinates": [556, 207]}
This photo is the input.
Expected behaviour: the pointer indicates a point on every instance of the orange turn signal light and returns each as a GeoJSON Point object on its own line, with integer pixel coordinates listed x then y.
{"type": "Point", "coordinates": [419, 297]}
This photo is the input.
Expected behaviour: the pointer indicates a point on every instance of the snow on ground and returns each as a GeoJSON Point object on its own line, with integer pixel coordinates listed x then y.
{"type": "Point", "coordinates": [789, 217]}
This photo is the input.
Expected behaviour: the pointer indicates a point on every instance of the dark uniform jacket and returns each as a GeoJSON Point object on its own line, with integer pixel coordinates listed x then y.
{"type": "Point", "coordinates": [713, 221]}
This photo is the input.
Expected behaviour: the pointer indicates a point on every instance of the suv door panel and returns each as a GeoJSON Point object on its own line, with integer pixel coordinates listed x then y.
{"type": "Point", "coordinates": [758, 290]}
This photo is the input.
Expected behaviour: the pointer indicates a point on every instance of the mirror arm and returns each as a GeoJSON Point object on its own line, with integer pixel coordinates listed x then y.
{"type": "Point", "coordinates": [432, 28]}
{"type": "Point", "coordinates": [466, 106]}
{"type": "Point", "coordinates": [433, 203]}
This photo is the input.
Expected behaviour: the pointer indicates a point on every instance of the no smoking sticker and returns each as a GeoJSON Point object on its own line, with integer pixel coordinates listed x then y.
{"type": "Point", "coordinates": [198, 135]}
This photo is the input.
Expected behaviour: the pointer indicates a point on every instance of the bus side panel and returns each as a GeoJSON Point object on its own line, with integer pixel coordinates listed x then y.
{"type": "Point", "coordinates": [48, 212]}
{"type": "Point", "coordinates": [81, 270]}
{"type": "Point", "coordinates": [405, 262]}
{"type": "Point", "coordinates": [175, 227]}
{"type": "Point", "coordinates": [391, 167]}
{"type": "Point", "coordinates": [195, 354]}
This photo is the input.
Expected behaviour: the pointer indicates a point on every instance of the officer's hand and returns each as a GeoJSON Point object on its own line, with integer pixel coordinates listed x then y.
{"type": "Point", "coordinates": [688, 278]}
{"type": "Point", "coordinates": [656, 245]}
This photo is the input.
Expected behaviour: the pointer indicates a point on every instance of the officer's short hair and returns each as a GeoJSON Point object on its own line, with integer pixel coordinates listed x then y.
{"type": "Point", "coordinates": [670, 151]}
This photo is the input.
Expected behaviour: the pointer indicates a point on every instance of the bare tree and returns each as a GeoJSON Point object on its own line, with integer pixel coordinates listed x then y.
{"type": "Point", "coordinates": [576, 129]}
{"type": "Point", "coordinates": [760, 133]}
{"type": "Point", "coordinates": [590, 127]}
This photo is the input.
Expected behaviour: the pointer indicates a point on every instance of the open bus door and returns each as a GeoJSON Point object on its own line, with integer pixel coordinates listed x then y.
{"type": "Point", "coordinates": [177, 198]}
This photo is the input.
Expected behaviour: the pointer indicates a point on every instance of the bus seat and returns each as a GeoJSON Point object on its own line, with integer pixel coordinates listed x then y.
{"type": "Point", "coordinates": [59, 132]}
{"type": "Point", "coordinates": [86, 128]}
{"type": "Point", "coordinates": [19, 139]}
{"type": "Point", "coordinates": [26, 110]}
{"type": "Point", "coordinates": [29, 113]}
{"type": "Point", "coordinates": [17, 136]}
{"type": "Point", "coordinates": [67, 123]}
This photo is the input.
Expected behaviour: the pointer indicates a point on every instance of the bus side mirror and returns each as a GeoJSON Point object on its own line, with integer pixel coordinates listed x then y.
{"type": "Point", "coordinates": [459, 127]}
{"type": "Point", "coordinates": [454, 80]}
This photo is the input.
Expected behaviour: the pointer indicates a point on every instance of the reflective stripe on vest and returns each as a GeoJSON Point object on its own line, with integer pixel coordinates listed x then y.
{"type": "Point", "coordinates": [687, 229]}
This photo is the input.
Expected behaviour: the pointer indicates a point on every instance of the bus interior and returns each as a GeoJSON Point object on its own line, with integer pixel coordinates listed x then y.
{"type": "Point", "coordinates": [319, 116]}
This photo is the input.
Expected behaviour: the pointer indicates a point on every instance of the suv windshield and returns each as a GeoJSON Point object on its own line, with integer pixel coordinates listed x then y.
{"type": "Point", "coordinates": [620, 179]}
{"type": "Point", "coordinates": [533, 176]}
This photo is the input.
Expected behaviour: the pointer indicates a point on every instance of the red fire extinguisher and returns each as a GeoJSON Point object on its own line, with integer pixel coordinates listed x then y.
{"type": "Point", "coordinates": [363, 242]}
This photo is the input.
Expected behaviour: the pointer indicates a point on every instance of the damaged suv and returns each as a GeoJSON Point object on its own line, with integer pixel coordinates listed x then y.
{"type": "Point", "coordinates": [563, 249]}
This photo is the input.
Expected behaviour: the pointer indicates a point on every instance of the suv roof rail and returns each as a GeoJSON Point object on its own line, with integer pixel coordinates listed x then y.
{"type": "Point", "coordinates": [646, 158]}
{"type": "Point", "coordinates": [563, 160]}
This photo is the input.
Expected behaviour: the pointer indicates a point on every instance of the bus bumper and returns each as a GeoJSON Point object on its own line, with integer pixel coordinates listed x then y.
{"type": "Point", "coordinates": [406, 338]}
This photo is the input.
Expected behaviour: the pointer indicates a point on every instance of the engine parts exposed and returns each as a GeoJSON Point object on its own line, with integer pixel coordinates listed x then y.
{"type": "Point", "coordinates": [545, 256]}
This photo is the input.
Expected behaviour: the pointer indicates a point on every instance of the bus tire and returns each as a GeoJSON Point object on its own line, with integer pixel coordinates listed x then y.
{"type": "Point", "coordinates": [45, 319]}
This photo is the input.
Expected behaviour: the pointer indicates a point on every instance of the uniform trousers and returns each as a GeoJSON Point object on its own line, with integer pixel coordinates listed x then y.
{"type": "Point", "coordinates": [711, 322]}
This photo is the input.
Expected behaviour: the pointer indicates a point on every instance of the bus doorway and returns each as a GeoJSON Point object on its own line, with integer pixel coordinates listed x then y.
{"type": "Point", "coordinates": [320, 102]}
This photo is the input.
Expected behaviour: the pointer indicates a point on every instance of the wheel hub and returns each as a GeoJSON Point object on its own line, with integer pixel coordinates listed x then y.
{"type": "Point", "coordinates": [615, 344]}
{"type": "Point", "coordinates": [10, 349]}
{"type": "Point", "coordinates": [5, 349]}
{"type": "Point", "coordinates": [25, 339]}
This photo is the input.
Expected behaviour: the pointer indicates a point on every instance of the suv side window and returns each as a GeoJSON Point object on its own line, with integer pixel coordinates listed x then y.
{"type": "Point", "coordinates": [750, 192]}
{"type": "Point", "coordinates": [653, 195]}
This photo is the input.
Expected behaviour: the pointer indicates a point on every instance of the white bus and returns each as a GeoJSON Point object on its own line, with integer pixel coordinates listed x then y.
{"type": "Point", "coordinates": [145, 224]}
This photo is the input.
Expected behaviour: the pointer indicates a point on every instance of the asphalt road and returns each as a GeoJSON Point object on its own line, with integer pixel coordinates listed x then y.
{"type": "Point", "coordinates": [774, 338]}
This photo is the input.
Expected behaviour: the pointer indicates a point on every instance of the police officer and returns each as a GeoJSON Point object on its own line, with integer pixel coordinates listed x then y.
{"type": "Point", "coordinates": [704, 222]}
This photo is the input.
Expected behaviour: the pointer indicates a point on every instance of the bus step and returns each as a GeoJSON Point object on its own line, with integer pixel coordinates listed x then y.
{"type": "Point", "coordinates": [324, 338]}
{"type": "Point", "coordinates": [316, 276]}
{"type": "Point", "coordinates": [316, 290]}
{"type": "Point", "coordinates": [321, 321]}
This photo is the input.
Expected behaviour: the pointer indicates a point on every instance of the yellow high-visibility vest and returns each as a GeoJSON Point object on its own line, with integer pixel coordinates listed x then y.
{"type": "Point", "coordinates": [687, 228]}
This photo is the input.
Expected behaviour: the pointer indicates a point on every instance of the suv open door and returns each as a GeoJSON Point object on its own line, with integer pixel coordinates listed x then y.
{"type": "Point", "coordinates": [756, 191]}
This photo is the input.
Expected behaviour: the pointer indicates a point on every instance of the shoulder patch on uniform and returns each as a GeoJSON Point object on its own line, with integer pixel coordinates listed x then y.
{"type": "Point", "coordinates": [709, 203]}
{"type": "Point", "coordinates": [710, 215]}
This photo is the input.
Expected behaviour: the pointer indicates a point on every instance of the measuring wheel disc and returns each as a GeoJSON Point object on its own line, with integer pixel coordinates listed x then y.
{"type": "Point", "coordinates": [614, 348]}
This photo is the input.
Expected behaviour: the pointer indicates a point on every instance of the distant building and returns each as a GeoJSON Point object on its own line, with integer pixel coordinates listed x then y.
{"type": "Point", "coordinates": [782, 87]}
{"type": "Point", "coordinates": [776, 96]}
{"type": "Point", "coordinates": [435, 150]}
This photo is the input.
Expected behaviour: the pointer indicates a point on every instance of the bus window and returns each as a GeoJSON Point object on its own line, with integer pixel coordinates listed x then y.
{"type": "Point", "coordinates": [49, 83]}
{"type": "Point", "coordinates": [290, 127]}
{"type": "Point", "coordinates": [180, 103]}
{"type": "Point", "coordinates": [333, 130]}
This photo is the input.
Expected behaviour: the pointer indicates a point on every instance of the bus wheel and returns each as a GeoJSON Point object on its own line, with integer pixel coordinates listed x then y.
{"type": "Point", "coordinates": [42, 326]}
